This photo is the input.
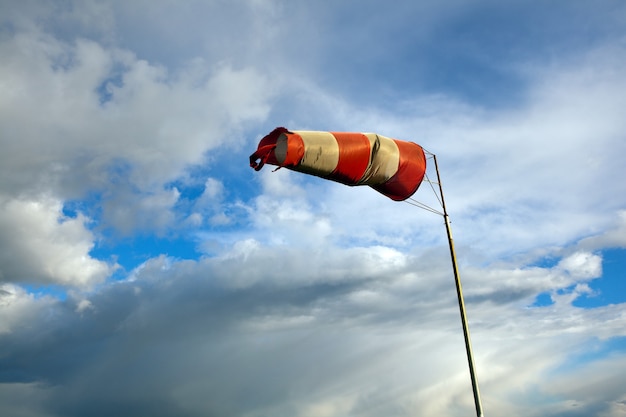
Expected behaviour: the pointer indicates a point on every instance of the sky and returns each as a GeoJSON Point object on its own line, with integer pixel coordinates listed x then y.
{"type": "Point", "coordinates": [145, 269]}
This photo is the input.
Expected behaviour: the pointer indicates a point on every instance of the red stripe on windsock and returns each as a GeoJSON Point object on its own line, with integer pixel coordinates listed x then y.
{"type": "Point", "coordinates": [411, 170]}
{"type": "Point", "coordinates": [295, 150]}
{"type": "Point", "coordinates": [354, 157]}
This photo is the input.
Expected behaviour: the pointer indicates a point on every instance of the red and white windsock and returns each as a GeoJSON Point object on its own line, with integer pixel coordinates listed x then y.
{"type": "Point", "coordinates": [392, 167]}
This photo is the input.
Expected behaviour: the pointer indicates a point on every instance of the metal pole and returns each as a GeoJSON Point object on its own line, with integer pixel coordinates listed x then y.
{"type": "Point", "coordinates": [459, 292]}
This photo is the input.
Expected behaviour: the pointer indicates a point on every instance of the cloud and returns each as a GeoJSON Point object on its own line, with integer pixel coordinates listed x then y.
{"type": "Point", "coordinates": [238, 334]}
{"type": "Point", "coordinates": [614, 237]}
{"type": "Point", "coordinates": [267, 328]}
{"type": "Point", "coordinates": [101, 120]}
{"type": "Point", "coordinates": [17, 307]}
{"type": "Point", "coordinates": [582, 265]}
{"type": "Point", "coordinates": [503, 170]}
{"type": "Point", "coordinates": [131, 211]}
{"type": "Point", "coordinates": [211, 204]}
{"type": "Point", "coordinates": [40, 245]}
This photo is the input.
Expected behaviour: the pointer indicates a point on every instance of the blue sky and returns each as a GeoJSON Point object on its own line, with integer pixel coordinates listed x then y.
{"type": "Point", "coordinates": [145, 269]}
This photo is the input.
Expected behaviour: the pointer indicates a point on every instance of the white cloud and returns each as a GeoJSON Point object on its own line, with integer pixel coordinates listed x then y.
{"type": "Point", "coordinates": [329, 407]}
{"type": "Point", "coordinates": [613, 237]}
{"type": "Point", "coordinates": [596, 388]}
{"type": "Point", "coordinates": [132, 211]}
{"type": "Point", "coordinates": [582, 265]}
{"type": "Point", "coordinates": [211, 204]}
{"type": "Point", "coordinates": [40, 245]}
{"type": "Point", "coordinates": [80, 117]}
{"type": "Point", "coordinates": [83, 305]}
{"type": "Point", "coordinates": [213, 189]}
{"type": "Point", "coordinates": [18, 308]}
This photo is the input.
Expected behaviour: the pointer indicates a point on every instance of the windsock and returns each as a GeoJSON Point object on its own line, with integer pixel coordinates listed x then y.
{"type": "Point", "coordinates": [392, 167]}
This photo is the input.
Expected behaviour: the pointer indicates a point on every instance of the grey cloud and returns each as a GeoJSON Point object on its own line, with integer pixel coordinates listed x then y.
{"type": "Point", "coordinates": [199, 326]}
{"type": "Point", "coordinates": [287, 340]}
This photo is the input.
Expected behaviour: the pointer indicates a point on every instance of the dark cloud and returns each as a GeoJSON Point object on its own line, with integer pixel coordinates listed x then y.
{"type": "Point", "coordinates": [183, 329]}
